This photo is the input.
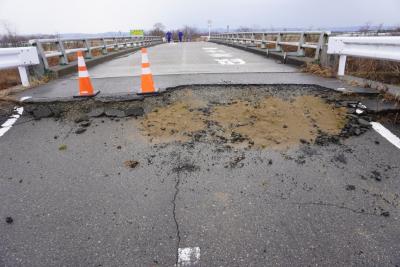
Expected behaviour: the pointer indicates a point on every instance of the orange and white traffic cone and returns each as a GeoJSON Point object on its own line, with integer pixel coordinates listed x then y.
{"type": "Point", "coordinates": [147, 86]}
{"type": "Point", "coordinates": [85, 85]}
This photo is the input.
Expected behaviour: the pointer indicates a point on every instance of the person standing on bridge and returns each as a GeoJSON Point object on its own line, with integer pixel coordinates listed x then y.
{"type": "Point", "coordinates": [180, 35]}
{"type": "Point", "coordinates": [169, 36]}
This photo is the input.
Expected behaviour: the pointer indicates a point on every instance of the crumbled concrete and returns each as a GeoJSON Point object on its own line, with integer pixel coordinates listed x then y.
{"type": "Point", "coordinates": [96, 112]}
{"type": "Point", "coordinates": [42, 112]}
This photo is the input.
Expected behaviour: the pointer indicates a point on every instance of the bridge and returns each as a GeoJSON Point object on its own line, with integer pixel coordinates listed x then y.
{"type": "Point", "coordinates": [240, 159]}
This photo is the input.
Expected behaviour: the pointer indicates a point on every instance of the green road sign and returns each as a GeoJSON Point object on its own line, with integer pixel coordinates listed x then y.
{"type": "Point", "coordinates": [137, 32]}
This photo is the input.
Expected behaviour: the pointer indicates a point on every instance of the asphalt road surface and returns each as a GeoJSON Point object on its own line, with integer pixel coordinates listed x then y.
{"type": "Point", "coordinates": [193, 204]}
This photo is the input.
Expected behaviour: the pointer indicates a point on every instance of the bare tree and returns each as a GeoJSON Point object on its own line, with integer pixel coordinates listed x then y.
{"type": "Point", "coordinates": [158, 29]}
{"type": "Point", "coordinates": [244, 29]}
{"type": "Point", "coordinates": [365, 28]}
{"type": "Point", "coordinates": [10, 35]}
{"type": "Point", "coordinates": [190, 33]}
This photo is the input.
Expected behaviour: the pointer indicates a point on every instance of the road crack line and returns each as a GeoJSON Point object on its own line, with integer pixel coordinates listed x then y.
{"type": "Point", "coordinates": [178, 234]}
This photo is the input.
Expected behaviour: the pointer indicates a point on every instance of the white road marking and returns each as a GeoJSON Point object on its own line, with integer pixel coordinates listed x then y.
{"type": "Point", "coordinates": [359, 111]}
{"type": "Point", "coordinates": [215, 51]}
{"type": "Point", "coordinates": [221, 55]}
{"type": "Point", "coordinates": [10, 122]}
{"type": "Point", "coordinates": [388, 135]}
{"type": "Point", "coordinates": [230, 61]}
{"type": "Point", "coordinates": [188, 256]}
{"type": "Point", "coordinates": [24, 98]}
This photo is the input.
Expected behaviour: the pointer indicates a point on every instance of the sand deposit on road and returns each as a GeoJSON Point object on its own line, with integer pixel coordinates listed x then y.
{"type": "Point", "coordinates": [268, 122]}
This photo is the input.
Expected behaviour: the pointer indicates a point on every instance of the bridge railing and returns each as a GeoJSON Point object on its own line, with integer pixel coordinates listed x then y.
{"type": "Point", "coordinates": [61, 48]}
{"type": "Point", "coordinates": [19, 57]}
{"type": "Point", "coordinates": [293, 43]}
{"type": "Point", "coordinates": [381, 48]}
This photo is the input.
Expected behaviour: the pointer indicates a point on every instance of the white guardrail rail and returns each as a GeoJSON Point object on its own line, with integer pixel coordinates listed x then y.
{"type": "Point", "coordinates": [383, 48]}
{"type": "Point", "coordinates": [20, 57]}
{"type": "Point", "coordinates": [300, 40]}
{"type": "Point", "coordinates": [61, 48]}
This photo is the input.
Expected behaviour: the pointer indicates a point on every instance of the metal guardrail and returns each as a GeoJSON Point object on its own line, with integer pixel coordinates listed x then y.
{"type": "Point", "coordinates": [61, 48]}
{"type": "Point", "coordinates": [278, 39]}
{"type": "Point", "coordinates": [20, 57]}
{"type": "Point", "coordinates": [384, 48]}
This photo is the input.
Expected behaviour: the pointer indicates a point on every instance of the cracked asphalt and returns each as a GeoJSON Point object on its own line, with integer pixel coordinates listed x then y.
{"type": "Point", "coordinates": [74, 202]}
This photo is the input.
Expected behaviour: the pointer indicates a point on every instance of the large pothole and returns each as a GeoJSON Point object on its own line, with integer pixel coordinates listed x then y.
{"type": "Point", "coordinates": [262, 119]}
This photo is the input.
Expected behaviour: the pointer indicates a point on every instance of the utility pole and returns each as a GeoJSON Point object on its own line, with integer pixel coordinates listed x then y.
{"type": "Point", "coordinates": [227, 28]}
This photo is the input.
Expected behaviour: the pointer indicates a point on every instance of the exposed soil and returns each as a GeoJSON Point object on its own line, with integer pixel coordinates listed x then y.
{"type": "Point", "coordinates": [263, 122]}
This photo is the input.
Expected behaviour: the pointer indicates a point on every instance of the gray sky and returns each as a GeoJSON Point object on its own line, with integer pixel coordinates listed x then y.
{"type": "Point", "coordinates": [87, 16]}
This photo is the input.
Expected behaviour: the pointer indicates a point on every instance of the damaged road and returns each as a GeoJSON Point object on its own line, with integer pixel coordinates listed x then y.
{"type": "Point", "coordinates": [219, 175]}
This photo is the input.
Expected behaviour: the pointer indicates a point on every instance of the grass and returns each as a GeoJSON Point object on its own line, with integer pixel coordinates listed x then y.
{"type": "Point", "coordinates": [377, 70]}
{"type": "Point", "coordinates": [9, 78]}
{"type": "Point", "coordinates": [319, 70]}
{"type": "Point", "coordinates": [62, 147]}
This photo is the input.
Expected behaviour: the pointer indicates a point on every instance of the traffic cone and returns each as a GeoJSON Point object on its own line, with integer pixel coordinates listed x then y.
{"type": "Point", "coordinates": [147, 86]}
{"type": "Point", "coordinates": [85, 85]}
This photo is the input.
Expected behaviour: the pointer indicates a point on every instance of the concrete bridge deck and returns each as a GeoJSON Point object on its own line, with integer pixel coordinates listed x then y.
{"type": "Point", "coordinates": [179, 64]}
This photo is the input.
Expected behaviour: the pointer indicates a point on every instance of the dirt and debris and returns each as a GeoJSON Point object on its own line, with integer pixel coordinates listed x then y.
{"type": "Point", "coordinates": [62, 147]}
{"type": "Point", "coordinates": [132, 164]}
{"type": "Point", "coordinates": [259, 120]}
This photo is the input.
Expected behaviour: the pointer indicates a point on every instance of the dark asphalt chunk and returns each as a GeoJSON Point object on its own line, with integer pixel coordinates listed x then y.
{"type": "Point", "coordinates": [186, 167]}
{"type": "Point", "coordinates": [376, 175]}
{"type": "Point", "coordinates": [9, 220]}
{"type": "Point", "coordinates": [385, 214]}
{"type": "Point", "coordinates": [42, 112]}
{"type": "Point", "coordinates": [80, 130]}
{"type": "Point", "coordinates": [85, 124]}
{"type": "Point", "coordinates": [350, 187]}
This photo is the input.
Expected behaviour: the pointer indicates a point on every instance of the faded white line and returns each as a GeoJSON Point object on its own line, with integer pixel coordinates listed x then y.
{"type": "Point", "coordinates": [25, 98]}
{"type": "Point", "coordinates": [188, 256]}
{"type": "Point", "coordinates": [232, 61]}
{"type": "Point", "coordinates": [388, 135]}
{"type": "Point", "coordinates": [6, 126]}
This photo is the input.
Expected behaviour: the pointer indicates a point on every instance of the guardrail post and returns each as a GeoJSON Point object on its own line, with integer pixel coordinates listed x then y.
{"type": "Point", "coordinates": [321, 42]}
{"type": "Point", "coordinates": [88, 53]}
{"type": "Point", "coordinates": [104, 49]}
{"type": "Point", "coordinates": [278, 46]}
{"type": "Point", "coordinates": [24, 76]}
{"type": "Point", "coordinates": [263, 43]}
{"type": "Point", "coordinates": [342, 65]}
{"type": "Point", "coordinates": [300, 49]}
{"type": "Point", "coordinates": [42, 55]}
{"type": "Point", "coordinates": [115, 44]}
{"type": "Point", "coordinates": [63, 57]}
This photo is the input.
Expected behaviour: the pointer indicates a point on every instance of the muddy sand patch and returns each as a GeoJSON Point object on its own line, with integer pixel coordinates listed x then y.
{"type": "Point", "coordinates": [262, 121]}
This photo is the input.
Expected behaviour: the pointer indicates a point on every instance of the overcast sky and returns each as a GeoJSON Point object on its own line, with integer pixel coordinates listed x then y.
{"type": "Point", "coordinates": [88, 16]}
